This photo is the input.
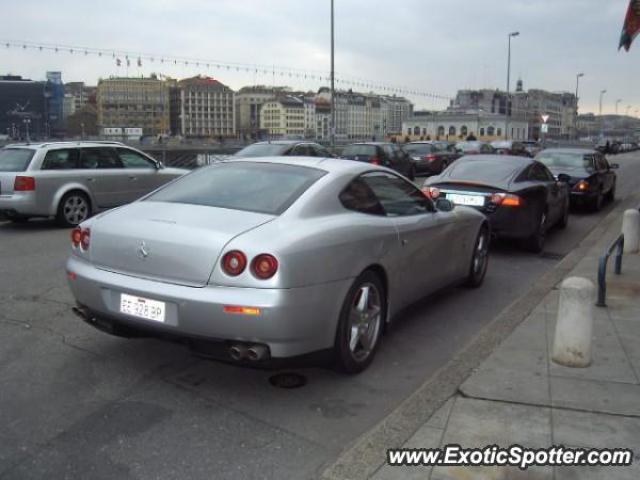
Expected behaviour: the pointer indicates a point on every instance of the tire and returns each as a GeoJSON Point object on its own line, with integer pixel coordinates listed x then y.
{"type": "Point", "coordinates": [611, 194]}
{"type": "Point", "coordinates": [564, 220]}
{"type": "Point", "coordinates": [412, 173]}
{"type": "Point", "coordinates": [479, 259]}
{"type": "Point", "coordinates": [596, 203]}
{"type": "Point", "coordinates": [352, 355]}
{"type": "Point", "coordinates": [535, 243]}
{"type": "Point", "coordinates": [74, 208]}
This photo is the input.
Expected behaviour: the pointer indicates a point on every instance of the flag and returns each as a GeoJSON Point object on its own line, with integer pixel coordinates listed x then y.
{"type": "Point", "coordinates": [631, 27]}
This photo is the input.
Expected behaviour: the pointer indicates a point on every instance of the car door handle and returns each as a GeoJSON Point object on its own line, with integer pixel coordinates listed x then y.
{"type": "Point", "coordinates": [132, 178]}
{"type": "Point", "coordinates": [91, 179]}
{"type": "Point", "coordinates": [404, 241]}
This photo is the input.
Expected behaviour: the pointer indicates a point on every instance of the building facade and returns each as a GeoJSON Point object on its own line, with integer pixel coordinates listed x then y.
{"type": "Point", "coordinates": [248, 102]}
{"type": "Point", "coordinates": [454, 127]}
{"type": "Point", "coordinates": [283, 117]}
{"type": "Point", "coordinates": [207, 108]}
{"type": "Point", "coordinates": [134, 103]}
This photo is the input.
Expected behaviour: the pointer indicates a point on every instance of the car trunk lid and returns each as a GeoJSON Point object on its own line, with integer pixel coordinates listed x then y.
{"type": "Point", "coordinates": [170, 242]}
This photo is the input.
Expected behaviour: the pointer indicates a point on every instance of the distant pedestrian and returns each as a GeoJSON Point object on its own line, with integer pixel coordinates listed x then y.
{"type": "Point", "coordinates": [471, 137]}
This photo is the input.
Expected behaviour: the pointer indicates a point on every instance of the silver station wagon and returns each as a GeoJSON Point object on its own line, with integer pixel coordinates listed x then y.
{"type": "Point", "coordinates": [73, 180]}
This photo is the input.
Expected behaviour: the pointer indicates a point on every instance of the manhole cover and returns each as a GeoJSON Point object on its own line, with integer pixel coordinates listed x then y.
{"type": "Point", "coordinates": [288, 380]}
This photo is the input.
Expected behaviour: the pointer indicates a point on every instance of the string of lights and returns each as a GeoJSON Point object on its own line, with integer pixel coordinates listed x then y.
{"type": "Point", "coordinates": [126, 57]}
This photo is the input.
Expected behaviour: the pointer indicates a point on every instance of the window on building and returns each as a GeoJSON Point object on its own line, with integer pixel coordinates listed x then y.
{"type": "Point", "coordinates": [441, 130]}
{"type": "Point", "coordinates": [491, 131]}
{"type": "Point", "coordinates": [499, 132]}
{"type": "Point", "coordinates": [482, 132]}
{"type": "Point", "coordinates": [416, 130]}
{"type": "Point", "coordinates": [452, 131]}
{"type": "Point", "coordinates": [463, 130]}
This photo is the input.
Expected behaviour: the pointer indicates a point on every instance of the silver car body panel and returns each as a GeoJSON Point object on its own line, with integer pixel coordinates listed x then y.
{"type": "Point", "coordinates": [321, 248]}
{"type": "Point", "coordinates": [105, 187]}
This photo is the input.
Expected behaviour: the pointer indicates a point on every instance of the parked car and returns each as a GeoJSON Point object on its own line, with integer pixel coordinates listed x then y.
{"type": "Point", "coordinates": [590, 177]}
{"type": "Point", "coordinates": [73, 180]}
{"type": "Point", "coordinates": [289, 148]}
{"type": "Point", "coordinates": [429, 157]}
{"type": "Point", "coordinates": [474, 147]}
{"type": "Point", "coordinates": [519, 196]}
{"type": "Point", "coordinates": [510, 147]}
{"type": "Point", "coordinates": [307, 256]}
{"type": "Point", "coordinates": [533, 147]}
{"type": "Point", "coordinates": [379, 153]}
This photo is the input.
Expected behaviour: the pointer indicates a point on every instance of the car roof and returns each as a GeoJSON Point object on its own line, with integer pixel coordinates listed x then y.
{"type": "Point", "coordinates": [371, 143]}
{"type": "Point", "coordinates": [80, 143]}
{"type": "Point", "coordinates": [513, 159]}
{"type": "Point", "coordinates": [334, 165]}
{"type": "Point", "coordinates": [282, 142]}
{"type": "Point", "coordinates": [584, 151]}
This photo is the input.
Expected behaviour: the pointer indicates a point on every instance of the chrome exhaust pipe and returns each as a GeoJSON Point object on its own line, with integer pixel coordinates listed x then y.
{"type": "Point", "coordinates": [257, 352]}
{"type": "Point", "coordinates": [238, 352]}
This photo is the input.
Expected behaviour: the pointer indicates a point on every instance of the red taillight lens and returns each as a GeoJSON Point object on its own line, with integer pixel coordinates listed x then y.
{"type": "Point", "coordinates": [234, 263]}
{"type": "Point", "coordinates": [85, 239]}
{"type": "Point", "coordinates": [264, 266]}
{"type": "Point", "coordinates": [375, 160]}
{"type": "Point", "coordinates": [24, 184]}
{"type": "Point", "coordinates": [430, 158]}
{"type": "Point", "coordinates": [431, 192]}
{"type": "Point", "coordinates": [81, 237]}
{"type": "Point", "coordinates": [76, 236]}
{"type": "Point", "coordinates": [507, 200]}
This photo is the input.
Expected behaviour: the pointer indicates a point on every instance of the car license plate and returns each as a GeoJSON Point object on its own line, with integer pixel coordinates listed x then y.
{"type": "Point", "coordinates": [470, 200]}
{"type": "Point", "coordinates": [142, 307]}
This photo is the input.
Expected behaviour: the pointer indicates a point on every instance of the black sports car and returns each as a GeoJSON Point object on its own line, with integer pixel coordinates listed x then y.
{"type": "Point", "coordinates": [519, 196]}
{"type": "Point", "coordinates": [590, 176]}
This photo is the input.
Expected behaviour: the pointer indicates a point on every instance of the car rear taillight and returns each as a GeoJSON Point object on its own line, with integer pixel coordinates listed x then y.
{"type": "Point", "coordinates": [81, 237]}
{"type": "Point", "coordinates": [375, 160]}
{"type": "Point", "coordinates": [24, 184]}
{"type": "Point", "coordinates": [582, 186]}
{"type": "Point", "coordinates": [507, 200]}
{"type": "Point", "coordinates": [430, 158]}
{"type": "Point", "coordinates": [264, 266]}
{"type": "Point", "coordinates": [76, 236]}
{"type": "Point", "coordinates": [472, 152]}
{"type": "Point", "coordinates": [431, 192]}
{"type": "Point", "coordinates": [234, 263]}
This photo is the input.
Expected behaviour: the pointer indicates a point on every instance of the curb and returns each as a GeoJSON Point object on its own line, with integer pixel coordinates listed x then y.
{"type": "Point", "coordinates": [363, 458]}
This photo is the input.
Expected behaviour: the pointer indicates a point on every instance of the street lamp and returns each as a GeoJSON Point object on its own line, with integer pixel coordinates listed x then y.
{"type": "Point", "coordinates": [578, 77]}
{"type": "Point", "coordinates": [333, 90]}
{"type": "Point", "coordinates": [602, 92]}
{"type": "Point", "coordinates": [617, 103]}
{"type": "Point", "coordinates": [506, 112]}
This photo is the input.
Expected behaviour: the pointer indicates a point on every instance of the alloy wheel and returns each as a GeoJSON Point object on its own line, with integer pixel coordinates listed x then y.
{"type": "Point", "coordinates": [75, 209]}
{"type": "Point", "coordinates": [364, 318]}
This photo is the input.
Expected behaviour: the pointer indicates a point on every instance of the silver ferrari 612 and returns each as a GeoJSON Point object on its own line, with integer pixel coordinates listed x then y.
{"type": "Point", "coordinates": [273, 258]}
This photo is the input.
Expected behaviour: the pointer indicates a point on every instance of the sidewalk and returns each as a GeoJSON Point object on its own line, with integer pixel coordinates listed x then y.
{"type": "Point", "coordinates": [519, 396]}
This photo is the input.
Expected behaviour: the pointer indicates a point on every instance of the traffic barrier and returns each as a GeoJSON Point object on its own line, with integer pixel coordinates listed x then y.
{"type": "Point", "coordinates": [631, 231]}
{"type": "Point", "coordinates": [574, 324]}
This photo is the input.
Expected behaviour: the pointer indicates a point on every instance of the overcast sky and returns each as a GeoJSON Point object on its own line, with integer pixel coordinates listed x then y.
{"type": "Point", "coordinates": [430, 45]}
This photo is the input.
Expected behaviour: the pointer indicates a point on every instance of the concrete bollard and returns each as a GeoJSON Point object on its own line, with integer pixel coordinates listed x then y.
{"type": "Point", "coordinates": [631, 231]}
{"type": "Point", "coordinates": [574, 325]}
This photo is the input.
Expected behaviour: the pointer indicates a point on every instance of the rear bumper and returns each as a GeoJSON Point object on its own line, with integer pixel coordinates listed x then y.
{"type": "Point", "coordinates": [292, 322]}
{"type": "Point", "coordinates": [424, 166]}
{"type": "Point", "coordinates": [510, 222]}
{"type": "Point", "coordinates": [20, 203]}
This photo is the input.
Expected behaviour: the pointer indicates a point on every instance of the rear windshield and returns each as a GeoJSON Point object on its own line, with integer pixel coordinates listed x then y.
{"type": "Point", "coordinates": [253, 187]}
{"type": "Point", "coordinates": [502, 144]}
{"type": "Point", "coordinates": [359, 151]}
{"type": "Point", "coordinates": [483, 170]}
{"type": "Point", "coordinates": [418, 148]}
{"type": "Point", "coordinates": [464, 146]}
{"type": "Point", "coordinates": [15, 159]}
{"type": "Point", "coordinates": [565, 159]}
{"type": "Point", "coordinates": [262, 150]}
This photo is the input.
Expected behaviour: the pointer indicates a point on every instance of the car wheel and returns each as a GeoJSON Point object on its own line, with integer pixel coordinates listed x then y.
{"type": "Point", "coordinates": [361, 319]}
{"type": "Point", "coordinates": [412, 173]}
{"type": "Point", "coordinates": [596, 203]}
{"type": "Point", "coordinates": [535, 243]}
{"type": "Point", "coordinates": [564, 221]}
{"type": "Point", "coordinates": [611, 194]}
{"type": "Point", "coordinates": [479, 259]}
{"type": "Point", "coordinates": [74, 208]}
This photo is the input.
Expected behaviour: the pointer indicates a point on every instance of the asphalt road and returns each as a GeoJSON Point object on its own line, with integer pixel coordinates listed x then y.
{"type": "Point", "coordinates": [77, 403]}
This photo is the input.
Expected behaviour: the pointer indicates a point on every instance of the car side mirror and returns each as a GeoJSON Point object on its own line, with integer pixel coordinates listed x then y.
{"type": "Point", "coordinates": [563, 177]}
{"type": "Point", "coordinates": [444, 205]}
{"type": "Point", "coordinates": [614, 166]}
